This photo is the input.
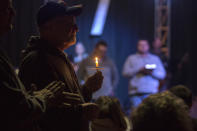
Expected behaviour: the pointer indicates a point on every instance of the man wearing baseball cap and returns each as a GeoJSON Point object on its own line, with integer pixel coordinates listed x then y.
{"type": "Point", "coordinates": [44, 61]}
{"type": "Point", "coordinates": [19, 107]}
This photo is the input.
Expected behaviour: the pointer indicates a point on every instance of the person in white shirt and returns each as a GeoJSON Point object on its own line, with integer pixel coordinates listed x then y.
{"type": "Point", "coordinates": [144, 71]}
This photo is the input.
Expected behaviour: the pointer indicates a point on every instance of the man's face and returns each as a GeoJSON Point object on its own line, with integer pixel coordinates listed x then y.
{"type": "Point", "coordinates": [79, 49]}
{"type": "Point", "coordinates": [6, 15]}
{"type": "Point", "coordinates": [64, 30]}
{"type": "Point", "coordinates": [101, 51]}
{"type": "Point", "coordinates": [157, 43]}
{"type": "Point", "coordinates": [143, 46]}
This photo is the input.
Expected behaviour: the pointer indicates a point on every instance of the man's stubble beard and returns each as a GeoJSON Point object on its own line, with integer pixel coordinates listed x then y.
{"type": "Point", "coordinates": [72, 40]}
{"type": "Point", "coordinates": [69, 42]}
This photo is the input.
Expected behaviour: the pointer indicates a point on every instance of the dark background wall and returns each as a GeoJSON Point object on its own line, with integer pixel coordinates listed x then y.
{"type": "Point", "coordinates": [127, 21]}
{"type": "Point", "coordinates": [182, 37]}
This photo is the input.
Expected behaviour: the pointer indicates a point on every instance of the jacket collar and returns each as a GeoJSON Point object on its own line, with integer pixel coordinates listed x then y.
{"type": "Point", "coordinates": [38, 44]}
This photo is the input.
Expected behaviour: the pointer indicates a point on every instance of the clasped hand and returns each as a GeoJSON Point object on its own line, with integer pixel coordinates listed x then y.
{"type": "Point", "coordinates": [56, 97]}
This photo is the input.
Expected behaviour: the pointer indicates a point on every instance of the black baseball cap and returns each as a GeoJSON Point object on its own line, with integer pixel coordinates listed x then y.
{"type": "Point", "coordinates": [51, 10]}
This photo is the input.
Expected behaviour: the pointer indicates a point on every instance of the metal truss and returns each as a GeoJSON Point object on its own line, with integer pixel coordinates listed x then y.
{"type": "Point", "coordinates": [162, 21]}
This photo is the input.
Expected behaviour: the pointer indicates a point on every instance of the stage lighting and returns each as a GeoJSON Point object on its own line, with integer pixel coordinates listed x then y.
{"type": "Point", "coordinates": [100, 18]}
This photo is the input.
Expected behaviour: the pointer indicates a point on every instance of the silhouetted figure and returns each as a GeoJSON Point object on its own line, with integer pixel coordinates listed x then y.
{"type": "Point", "coordinates": [163, 53]}
{"type": "Point", "coordinates": [45, 61]}
{"type": "Point", "coordinates": [158, 49]}
{"type": "Point", "coordinates": [20, 108]}
{"type": "Point", "coordinates": [183, 72]}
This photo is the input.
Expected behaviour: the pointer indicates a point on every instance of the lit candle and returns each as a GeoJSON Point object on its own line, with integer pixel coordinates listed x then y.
{"type": "Point", "coordinates": [96, 62]}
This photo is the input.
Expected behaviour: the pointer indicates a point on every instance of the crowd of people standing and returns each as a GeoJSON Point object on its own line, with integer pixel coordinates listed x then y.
{"type": "Point", "coordinates": [49, 94]}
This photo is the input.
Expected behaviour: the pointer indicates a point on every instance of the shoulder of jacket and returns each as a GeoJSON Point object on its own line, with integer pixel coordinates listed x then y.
{"type": "Point", "coordinates": [33, 57]}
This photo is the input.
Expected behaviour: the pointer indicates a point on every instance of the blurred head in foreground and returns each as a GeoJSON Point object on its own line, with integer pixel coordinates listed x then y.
{"type": "Point", "coordinates": [182, 92]}
{"type": "Point", "coordinates": [161, 112]}
{"type": "Point", "coordinates": [111, 117]}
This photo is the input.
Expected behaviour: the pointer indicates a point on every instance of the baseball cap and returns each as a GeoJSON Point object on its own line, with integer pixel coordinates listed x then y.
{"type": "Point", "coordinates": [51, 10]}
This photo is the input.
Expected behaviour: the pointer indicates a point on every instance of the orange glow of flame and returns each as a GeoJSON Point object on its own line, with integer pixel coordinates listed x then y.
{"type": "Point", "coordinates": [96, 62]}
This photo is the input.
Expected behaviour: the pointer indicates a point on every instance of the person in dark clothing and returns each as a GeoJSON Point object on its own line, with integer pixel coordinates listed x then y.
{"type": "Point", "coordinates": [183, 73]}
{"type": "Point", "coordinates": [162, 52]}
{"type": "Point", "coordinates": [18, 107]}
{"type": "Point", "coordinates": [44, 57]}
{"type": "Point", "coordinates": [157, 50]}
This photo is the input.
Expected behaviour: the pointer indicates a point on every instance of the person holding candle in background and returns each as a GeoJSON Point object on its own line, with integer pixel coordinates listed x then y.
{"type": "Point", "coordinates": [103, 63]}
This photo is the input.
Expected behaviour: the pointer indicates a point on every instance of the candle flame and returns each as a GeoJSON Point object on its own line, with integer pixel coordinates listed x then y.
{"type": "Point", "coordinates": [96, 62]}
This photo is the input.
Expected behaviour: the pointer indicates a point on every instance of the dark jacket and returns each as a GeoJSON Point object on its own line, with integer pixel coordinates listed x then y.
{"type": "Point", "coordinates": [18, 108]}
{"type": "Point", "coordinates": [43, 64]}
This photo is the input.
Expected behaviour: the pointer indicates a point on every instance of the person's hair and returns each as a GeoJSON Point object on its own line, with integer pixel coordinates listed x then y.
{"type": "Point", "coordinates": [161, 112]}
{"type": "Point", "coordinates": [110, 108]}
{"type": "Point", "coordinates": [143, 39]}
{"type": "Point", "coordinates": [101, 43]}
{"type": "Point", "coordinates": [182, 92]}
